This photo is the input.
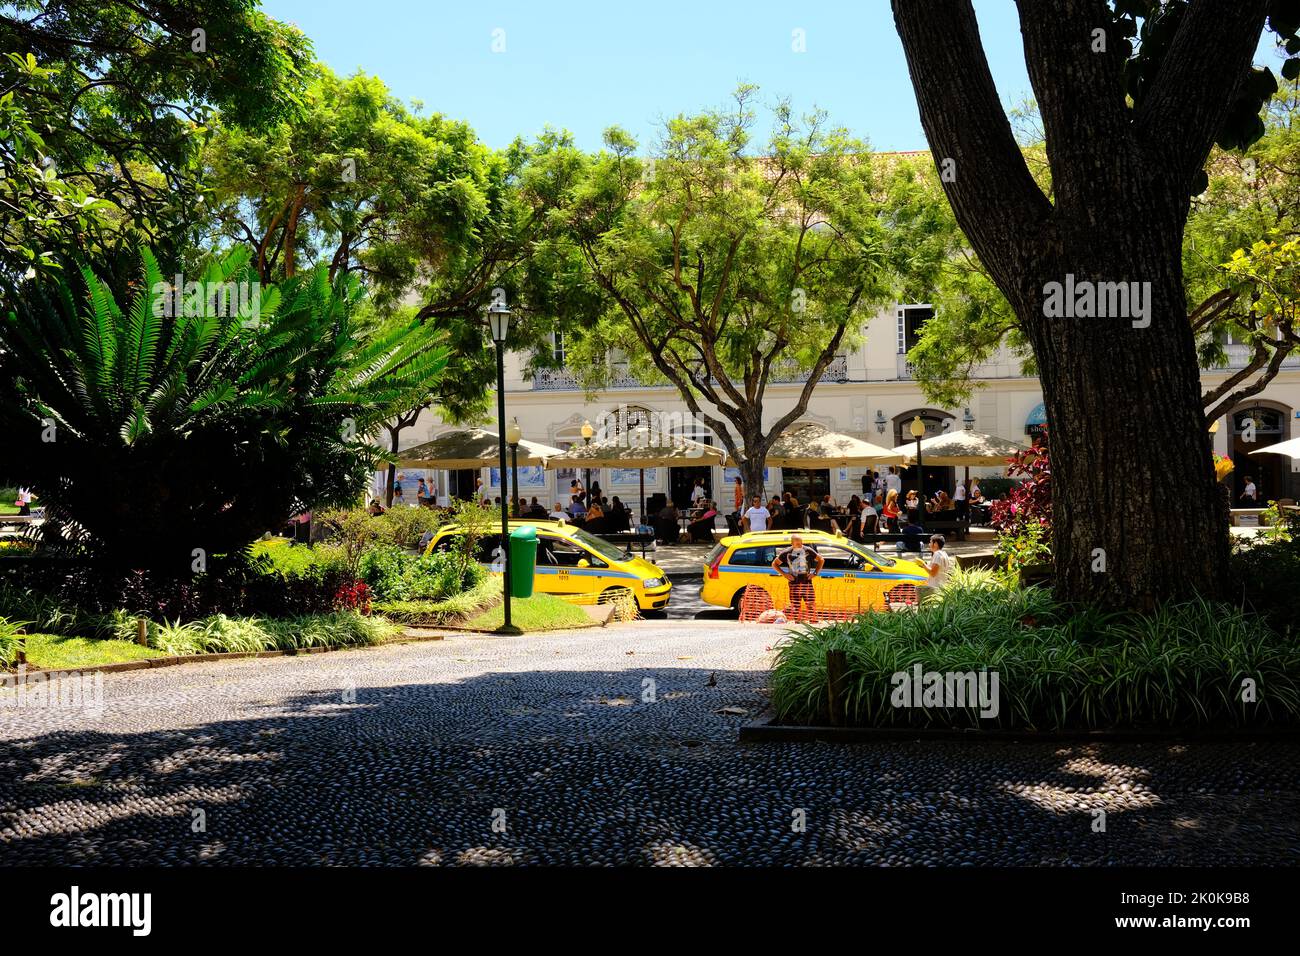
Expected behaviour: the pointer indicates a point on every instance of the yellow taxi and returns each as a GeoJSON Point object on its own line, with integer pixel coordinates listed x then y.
{"type": "Point", "coordinates": [852, 575]}
{"type": "Point", "coordinates": [572, 561]}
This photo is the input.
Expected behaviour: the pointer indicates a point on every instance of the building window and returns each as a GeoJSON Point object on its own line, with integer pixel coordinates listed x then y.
{"type": "Point", "coordinates": [910, 320]}
{"type": "Point", "coordinates": [557, 347]}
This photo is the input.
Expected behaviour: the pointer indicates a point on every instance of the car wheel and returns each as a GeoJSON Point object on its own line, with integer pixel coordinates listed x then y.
{"type": "Point", "coordinates": [736, 599]}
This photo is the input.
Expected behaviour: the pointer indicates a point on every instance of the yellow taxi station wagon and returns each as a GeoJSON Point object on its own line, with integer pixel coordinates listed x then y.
{"type": "Point", "coordinates": [852, 576]}
{"type": "Point", "coordinates": [572, 561]}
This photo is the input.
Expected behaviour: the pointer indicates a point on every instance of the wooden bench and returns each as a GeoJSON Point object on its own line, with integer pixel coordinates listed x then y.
{"type": "Point", "coordinates": [18, 520]}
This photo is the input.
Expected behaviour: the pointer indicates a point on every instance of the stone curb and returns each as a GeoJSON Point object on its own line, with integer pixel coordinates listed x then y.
{"type": "Point", "coordinates": [151, 662]}
{"type": "Point", "coordinates": [767, 731]}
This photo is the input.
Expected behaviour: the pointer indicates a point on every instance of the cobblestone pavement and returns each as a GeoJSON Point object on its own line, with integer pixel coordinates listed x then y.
{"type": "Point", "coordinates": [540, 749]}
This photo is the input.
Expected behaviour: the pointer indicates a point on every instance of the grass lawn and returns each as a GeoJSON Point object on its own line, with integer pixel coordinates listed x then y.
{"type": "Point", "coordinates": [541, 612]}
{"type": "Point", "coordinates": [51, 652]}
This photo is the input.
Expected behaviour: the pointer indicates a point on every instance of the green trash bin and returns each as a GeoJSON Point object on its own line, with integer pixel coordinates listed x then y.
{"type": "Point", "coordinates": [523, 561]}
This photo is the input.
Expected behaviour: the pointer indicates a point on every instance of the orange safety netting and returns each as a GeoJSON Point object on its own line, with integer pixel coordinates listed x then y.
{"type": "Point", "coordinates": [828, 600]}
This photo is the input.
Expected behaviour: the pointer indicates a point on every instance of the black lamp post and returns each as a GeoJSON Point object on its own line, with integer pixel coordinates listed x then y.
{"type": "Point", "coordinates": [499, 321]}
{"type": "Point", "coordinates": [918, 432]}
{"type": "Point", "coordinates": [513, 436]}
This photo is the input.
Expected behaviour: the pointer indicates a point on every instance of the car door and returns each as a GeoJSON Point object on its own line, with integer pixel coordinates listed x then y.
{"type": "Point", "coordinates": [839, 585]}
{"type": "Point", "coordinates": [558, 561]}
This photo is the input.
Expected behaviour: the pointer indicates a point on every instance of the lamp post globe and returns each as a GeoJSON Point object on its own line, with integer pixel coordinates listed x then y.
{"type": "Point", "coordinates": [917, 429]}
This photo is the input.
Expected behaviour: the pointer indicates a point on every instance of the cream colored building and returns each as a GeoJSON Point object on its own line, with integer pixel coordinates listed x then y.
{"type": "Point", "coordinates": [868, 392]}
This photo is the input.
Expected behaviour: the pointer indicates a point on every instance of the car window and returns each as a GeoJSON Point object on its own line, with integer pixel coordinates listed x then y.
{"type": "Point", "coordinates": [838, 559]}
{"type": "Point", "coordinates": [754, 557]}
{"type": "Point", "coordinates": [563, 553]}
{"type": "Point", "coordinates": [485, 551]}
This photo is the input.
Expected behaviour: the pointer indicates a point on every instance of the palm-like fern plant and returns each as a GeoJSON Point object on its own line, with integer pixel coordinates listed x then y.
{"type": "Point", "coordinates": [149, 432]}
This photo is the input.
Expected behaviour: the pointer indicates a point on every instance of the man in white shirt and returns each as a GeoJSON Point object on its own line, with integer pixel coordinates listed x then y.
{"type": "Point", "coordinates": [938, 567]}
{"type": "Point", "coordinates": [959, 498]}
{"type": "Point", "coordinates": [1250, 494]}
{"type": "Point", "coordinates": [893, 481]}
{"type": "Point", "coordinates": [757, 516]}
{"type": "Point", "coordinates": [558, 514]}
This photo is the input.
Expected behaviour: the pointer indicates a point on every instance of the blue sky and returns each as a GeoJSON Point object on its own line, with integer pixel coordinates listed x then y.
{"type": "Point", "coordinates": [584, 65]}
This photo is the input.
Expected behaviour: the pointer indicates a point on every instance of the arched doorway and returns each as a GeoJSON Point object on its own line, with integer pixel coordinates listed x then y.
{"type": "Point", "coordinates": [936, 422]}
{"type": "Point", "coordinates": [1255, 425]}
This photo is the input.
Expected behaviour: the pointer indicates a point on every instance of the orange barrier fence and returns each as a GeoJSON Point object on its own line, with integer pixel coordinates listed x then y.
{"type": "Point", "coordinates": [829, 599]}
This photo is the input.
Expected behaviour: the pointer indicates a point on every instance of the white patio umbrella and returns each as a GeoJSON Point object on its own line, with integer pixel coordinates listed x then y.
{"type": "Point", "coordinates": [638, 449]}
{"type": "Point", "coordinates": [961, 448]}
{"type": "Point", "coordinates": [816, 446]}
{"type": "Point", "coordinates": [1290, 448]}
{"type": "Point", "coordinates": [471, 448]}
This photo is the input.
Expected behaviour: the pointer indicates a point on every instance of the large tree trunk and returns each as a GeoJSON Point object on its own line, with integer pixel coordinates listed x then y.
{"type": "Point", "coordinates": [1132, 474]}
{"type": "Point", "coordinates": [1134, 499]}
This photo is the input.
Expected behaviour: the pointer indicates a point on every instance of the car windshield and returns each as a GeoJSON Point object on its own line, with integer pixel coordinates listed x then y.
{"type": "Point", "coordinates": [879, 560]}
{"type": "Point", "coordinates": [602, 547]}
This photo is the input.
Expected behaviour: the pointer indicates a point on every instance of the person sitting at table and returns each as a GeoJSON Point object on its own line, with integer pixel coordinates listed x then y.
{"type": "Point", "coordinates": [577, 510]}
{"type": "Point", "coordinates": [828, 503]}
{"type": "Point", "coordinates": [820, 522]}
{"type": "Point", "coordinates": [855, 503]}
{"type": "Point", "coordinates": [912, 535]}
{"type": "Point", "coordinates": [536, 509]}
{"type": "Point", "coordinates": [701, 529]}
{"type": "Point", "coordinates": [666, 528]}
{"type": "Point", "coordinates": [595, 521]}
{"type": "Point", "coordinates": [558, 514]}
{"type": "Point", "coordinates": [975, 495]}
{"type": "Point", "coordinates": [912, 502]}
{"type": "Point", "coordinates": [620, 519]}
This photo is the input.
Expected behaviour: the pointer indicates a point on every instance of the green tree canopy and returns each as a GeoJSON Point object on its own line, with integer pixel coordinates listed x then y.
{"type": "Point", "coordinates": [103, 107]}
{"type": "Point", "coordinates": [725, 269]}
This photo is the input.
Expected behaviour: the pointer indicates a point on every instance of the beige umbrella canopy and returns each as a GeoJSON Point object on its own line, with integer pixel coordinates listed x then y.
{"type": "Point", "coordinates": [961, 448]}
{"type": "Point", "coordinates": [815, 446]}
{"type": "Point", "coordinates": [473, 448]}
{"type": "Point", "coordinates": [1291, 448]}
{"type": "Point", "coordinates": [636, 449]}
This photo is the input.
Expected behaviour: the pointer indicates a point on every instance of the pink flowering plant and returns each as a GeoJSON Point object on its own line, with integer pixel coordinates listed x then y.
{"type": "Point", "coordinates": [1023, 518]}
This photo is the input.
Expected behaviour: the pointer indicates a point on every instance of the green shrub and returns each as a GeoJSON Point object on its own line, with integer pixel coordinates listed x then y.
{"type": "Point", "coordinates": [393, 575]}
{"type": "Point", "coordinates": [404, 526]}
{"type": "Point", "coordinates": [11, 639]}
{"type": "Point", "coordinates": [1059, 666]}
{"type": "Point", "coordinates": [1266, 575]}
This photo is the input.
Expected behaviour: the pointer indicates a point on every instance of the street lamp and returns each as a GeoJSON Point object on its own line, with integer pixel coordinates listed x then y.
{"type": "Point", "coordinates": [513, 435]}
{"type": "Point", "coordinates": [917, 429]}
{"type": "Point", "coordinates": [587, 432]}
{"type": "Point", "coordinates": [968, 420]}
{"type": "Point", "coordinates": [880, 421]}
{"type": "Point", "coordinates": [499, 322]}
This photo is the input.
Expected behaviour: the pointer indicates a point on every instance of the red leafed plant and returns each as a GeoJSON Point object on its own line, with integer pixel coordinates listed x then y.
{"type": "Point", "coordinates": [1030, 501]}
{"type": "Point", "coordinates": [353, 597]}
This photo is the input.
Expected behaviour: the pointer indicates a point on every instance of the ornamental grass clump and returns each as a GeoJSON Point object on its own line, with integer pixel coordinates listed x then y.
{"type": "Point", "coordinates": [1193, 665]}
